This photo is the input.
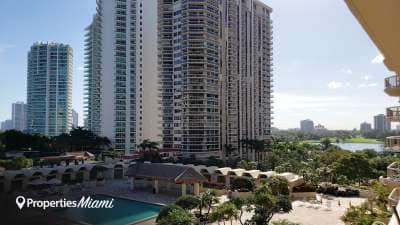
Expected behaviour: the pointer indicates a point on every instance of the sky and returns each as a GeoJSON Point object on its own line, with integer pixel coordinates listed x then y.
{"type": "Point", "coordinates": [326, 68]}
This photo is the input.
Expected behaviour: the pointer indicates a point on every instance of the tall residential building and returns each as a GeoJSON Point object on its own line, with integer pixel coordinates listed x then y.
{"type": "Point", "coordinates": [215, 74]}
{"type": "Point", "coordinates": [6, 125]}
{"type": "Point", "coordinates": [188, 41]}
{"type": "Point", "coordinates": [381, 123]}
{"type": "Point", "coordinates": [75, 119]}
{"type": "Point", "coordinates": [49, 94]}
{"type": "Point", "coordinates": [246, 81]}
{"type": "Point", "coordinates": [307, 126]}
{"type": "Point", "coordinates": [121, 72]}
{"type": "Point", "coordinates": [19, 116]}
{"type": "Point", "coordinates": [365, 127]}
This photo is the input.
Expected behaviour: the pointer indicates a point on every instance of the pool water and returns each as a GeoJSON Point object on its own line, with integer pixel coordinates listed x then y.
{"type": "Point", "coordinates": [124, 212]}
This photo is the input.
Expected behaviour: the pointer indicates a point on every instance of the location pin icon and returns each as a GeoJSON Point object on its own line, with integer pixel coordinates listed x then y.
{"type": "Point", "coordinates": [20, 200]}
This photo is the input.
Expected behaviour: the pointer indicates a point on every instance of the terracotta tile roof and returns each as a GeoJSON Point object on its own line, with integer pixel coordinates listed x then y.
{"type": "Point", "coordinates": [176, 173]}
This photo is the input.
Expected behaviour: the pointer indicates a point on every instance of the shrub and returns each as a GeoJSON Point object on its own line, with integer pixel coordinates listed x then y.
{"type": "Point", "coordinates": [305, 188]}
{"type": "Point", "coordinates": [166, 210]}
{"type": "Point", "coordinates": [335, 190]}
{"type": "Point", "coordinates": [187, 202]}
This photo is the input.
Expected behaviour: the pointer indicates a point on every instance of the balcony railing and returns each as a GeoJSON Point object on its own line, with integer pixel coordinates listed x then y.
{"type": "Point", "coordinates": [392, 144]}
{"type": "Point", "coordinates": [394, 197]}
{"type": "Point", "coordinates": [392, 86]}
{"type": "Point", "coordinates": [393, 114]}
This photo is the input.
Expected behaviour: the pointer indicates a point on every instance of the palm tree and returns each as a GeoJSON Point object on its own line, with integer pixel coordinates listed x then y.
{"type": "Point", "coordinates": [148, 145]}
{"type": "Point", "coordinates": [229, 150]}
{"type": "Point", "coordinates": [259, 147]}
{"type": "Point", "coordinates": [246, 142]}
{"type": "Point", "coordinates": [206, 200]}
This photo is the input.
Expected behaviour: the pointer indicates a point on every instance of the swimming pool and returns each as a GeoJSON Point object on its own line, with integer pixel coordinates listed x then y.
{"type": "Point", "coordinates": [124, 212]}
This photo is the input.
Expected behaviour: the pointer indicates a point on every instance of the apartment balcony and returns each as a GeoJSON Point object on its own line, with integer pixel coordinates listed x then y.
{"type": "Point", "coordinates": [393, 170]}
{"type": "Point", "coordinates": [393, 114]}
{"type": "Point", "coordinates": [394, 197]}
{"type": "Point", "coordinates": [393, 176]}
{"type": "Point", "coordinates": [392, 144]}
{"type": "Point", "coordinates": [392, 86]}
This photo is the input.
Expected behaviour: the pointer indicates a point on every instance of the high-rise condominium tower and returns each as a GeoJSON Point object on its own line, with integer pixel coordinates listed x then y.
{"type": "Point", "coordinates": [246, 72]}
{"type": "Point", "coordinates": [381, 123]}
{"type": "Point", "coordinates": [121, 72]}
{"type": "Point", "coordinates": [49, 99]}
{"type": "Point", "coordinates": [19, 116]}
{"type": "Point", "coordinates": [188, 41]}
{"type": "Point", "coordinates": [75, 118]}
{"type": "Point", "coordinates": [215, 68]}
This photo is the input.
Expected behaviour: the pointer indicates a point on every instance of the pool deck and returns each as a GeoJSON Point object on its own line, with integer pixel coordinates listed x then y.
{"type": "Point", "coordinates": [113, 188]}
{"type": "Point", "coordinates": [314, 214]}
{"type": "Point", "coordinates": [120, 189]}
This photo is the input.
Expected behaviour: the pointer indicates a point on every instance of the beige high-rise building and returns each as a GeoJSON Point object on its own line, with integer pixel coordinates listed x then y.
{"type": "Point", "coordinates": [215, 70]}
{"type": "Point", "coordinates": [188, 41]}
{"type": "Point", "coordinates": [246, 81]}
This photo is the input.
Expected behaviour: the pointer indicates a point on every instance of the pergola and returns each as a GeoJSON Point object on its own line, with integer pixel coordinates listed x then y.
{"type": "Point", "coordinates": [167, 174]}
{"type": "Point", "coordinates": [68, 157]}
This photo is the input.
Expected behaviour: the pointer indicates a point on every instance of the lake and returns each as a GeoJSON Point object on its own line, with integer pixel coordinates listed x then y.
{"type": "Point", "coordinates": [360, 146]}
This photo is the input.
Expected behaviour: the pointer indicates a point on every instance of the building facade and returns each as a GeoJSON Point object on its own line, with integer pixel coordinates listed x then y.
{"type": "Point", "coordinates": [121, 72]}
{"type": "Point", "coordinates": [188, 41]}
{"type": "Point", "coordinates": [381, 123]}
{"type": "Point", "coordinates": [75, 119]}
{"type": "Point", "coordinates": [215, 74]}
{"type": "Point", "coordinates": [6, 125]}
{"type": "Point", "coordinates": [49, 94]}
{"type": "Point", "coordinates": [307, 125]}
{"type": "Point", "coordinates": [365, 127]}
{"type": "Point", "coordinates": [18, 116]}
{"type": "Point", "coordinates": [246, 82]}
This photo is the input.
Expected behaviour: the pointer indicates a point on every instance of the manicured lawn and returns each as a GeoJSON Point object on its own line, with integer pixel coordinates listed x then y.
{"type": "Point", "coordinates": [363, 140]}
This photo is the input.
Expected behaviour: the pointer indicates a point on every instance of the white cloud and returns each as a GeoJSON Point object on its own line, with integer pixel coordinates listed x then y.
{"type": "Point", "coordinates": [366, 85]}
{"type": "Point", "coordinates": [378, 59]}
{"type": "Point", "coordinates": [336, 85]}
{"type": "Point", "coordinates": [366, 77]}
{"type": "Point", "coordinates": [80, 68]}
{"type": "Point", "coordinates": [346, 71]}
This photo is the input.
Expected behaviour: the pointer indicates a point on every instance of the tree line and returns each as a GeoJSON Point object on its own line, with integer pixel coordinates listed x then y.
{"type": "Point", "coordinates": [78, 139]}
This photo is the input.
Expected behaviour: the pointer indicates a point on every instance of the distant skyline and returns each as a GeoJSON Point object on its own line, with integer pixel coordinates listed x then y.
{"type": "Point", "coordinates": [325, 66]}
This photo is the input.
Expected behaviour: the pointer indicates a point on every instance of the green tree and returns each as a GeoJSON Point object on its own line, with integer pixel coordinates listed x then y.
{"type": "Point", "coordinates": [206, 200]}
{"type": "Point", "coordinates": [150, 156]}
{"type": "Point", "coordinates": [267, 202]}
{"type": "Point", "coordinates": [242, 205]}
{"type": "Point", "coordinates": [355, 167]}
{"type": "Point", "coordinates": [148, 145]}
{"type": "Point", "coordinates": [326, 143]}
{"type": "Point", "coordinates": [16, 163]}
{"type": "Point", "coordinates": [165, 210]}
{"type": "Point", "coordinates": [176, 217]}
{"type": "Point", "coordinates": [278, 185]}
{"type": "Point", "coordinates": [374, 209]}
{"type": "Point", "coordinates": [187, 202]}
{"type": "Point", "coordinates": [247, 165]}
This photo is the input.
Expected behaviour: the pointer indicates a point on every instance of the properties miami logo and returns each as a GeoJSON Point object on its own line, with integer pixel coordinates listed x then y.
{"type": "Point", "coordinates": [84, 202]}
